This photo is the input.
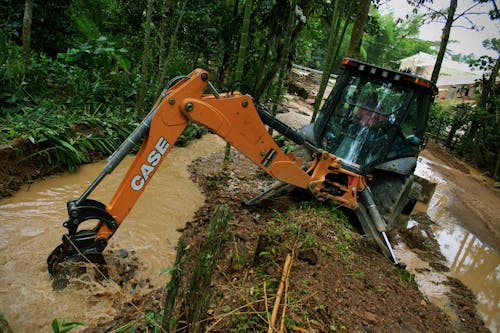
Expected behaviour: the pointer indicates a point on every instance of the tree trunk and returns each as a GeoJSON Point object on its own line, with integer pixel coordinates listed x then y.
{"type": "Point", "coordinates": [496, 174]}
{"type": "Point", "coordinates": [445, 36]}
{"type": "Point", "coordinates": [228, 47]}
{"type": "Point", "coordinates": [166, 30]}
{"type": "Point", "coordinates": [239, 65]}
{"type": "Point", "coordinates": [332, 41]}
{"type": "Point", "coordinates": [328, 61]}
{"type": "Point", "coordinates": [266, 76]}
{"type": "Point", "coordinates": [358, 28]}
{"type": "Point", "coordinates": [27, 19]}
{"type": "Point", "coordinates": [490, 94]}
{"type": "Point", "coordinates": [242, 51]}
{"type": "Point", "coordinates": [462, 114]}
{"type": "Point", "coordinates": [284, 55]}
{"type": "Point", "coordinates": [166, 59]}
{"type": "Point", "coordinates": [145, 60]}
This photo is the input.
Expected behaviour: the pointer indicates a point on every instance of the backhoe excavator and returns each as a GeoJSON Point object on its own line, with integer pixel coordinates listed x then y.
{"type": "Point", "coordinates": [360, 153]}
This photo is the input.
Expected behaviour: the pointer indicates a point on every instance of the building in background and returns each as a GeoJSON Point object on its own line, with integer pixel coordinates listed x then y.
{"type": "Point", "coordinates": [456, 80]}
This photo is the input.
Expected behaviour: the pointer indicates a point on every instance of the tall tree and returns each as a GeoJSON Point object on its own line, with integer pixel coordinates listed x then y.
{"type": "Point", "coordinates": [450, 17]}
{"type": "Point", "coordinates": [240, 62]}
{"type": "Point", "coordinates": [145, 60]}
{"type": "Point", "coordinates": [27, 19]}
{"type": "Point", "coordinates": [242, 51]}
{"type": "Point", "coordinates": [282, 63]}
{"type": "Point", "coordinates": [490, 97]}
{"type": "Point", "coordinates": [166, 53]}
{"type": "Point", "coordinates": [228, 41]}
{"type": "Point", "coordinates": [445, 36]}
{"type": "Point", "coordinates": [389, 41]}
{"type": "Point", "coordinates": [342, 11]}
{"type": "Point", "coordinates": [358, 28]}
{"type": "Point", "coordinates": [268, 37]}
{"type": "Point", "coordinates": [166, 12]}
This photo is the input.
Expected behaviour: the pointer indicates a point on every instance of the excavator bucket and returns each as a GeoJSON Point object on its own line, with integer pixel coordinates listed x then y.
{"type": "Point", "coordinates": [66, 262]}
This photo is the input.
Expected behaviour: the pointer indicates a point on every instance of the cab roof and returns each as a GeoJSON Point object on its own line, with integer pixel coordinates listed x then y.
{"type": "Point", "coordinates": [389, 75]}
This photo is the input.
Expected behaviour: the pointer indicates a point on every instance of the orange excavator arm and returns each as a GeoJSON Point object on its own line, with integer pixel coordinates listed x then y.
{"type": "Point", "coordinates": [235, 118]}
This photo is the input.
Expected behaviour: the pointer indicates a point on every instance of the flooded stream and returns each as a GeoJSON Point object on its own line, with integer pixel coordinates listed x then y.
{"type": "Point", "coordinates": [31, 226]}
{"type": "Point", "coordinates": [469, 259]}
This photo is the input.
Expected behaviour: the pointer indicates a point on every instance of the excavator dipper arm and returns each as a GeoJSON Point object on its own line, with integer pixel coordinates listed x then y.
{"type": "Point", "coordinates": [233, 117]}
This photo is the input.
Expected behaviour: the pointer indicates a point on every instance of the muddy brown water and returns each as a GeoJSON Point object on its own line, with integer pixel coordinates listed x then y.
{"type": "Point", "coordinates": [31, 227]}
{"type": "Point", "coordinates": [469, 259]}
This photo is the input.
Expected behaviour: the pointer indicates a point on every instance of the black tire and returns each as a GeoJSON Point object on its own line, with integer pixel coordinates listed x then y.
{"type": "Point", "coordinates": [413, 196]}
{"type": "Point", "coordinates": [390, 193]}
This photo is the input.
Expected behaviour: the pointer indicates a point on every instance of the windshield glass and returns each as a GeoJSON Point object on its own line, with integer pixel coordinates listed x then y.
{"type": "Point", "coordinates": [358, 128]}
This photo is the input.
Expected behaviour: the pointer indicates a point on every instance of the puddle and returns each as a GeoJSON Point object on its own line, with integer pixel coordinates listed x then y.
{"type": "Point", "coordinates": [477, 266]}
{"type": "Point", "coordinates": [31, 226]}
{"type": "Point", "coordinates": [469, 260]}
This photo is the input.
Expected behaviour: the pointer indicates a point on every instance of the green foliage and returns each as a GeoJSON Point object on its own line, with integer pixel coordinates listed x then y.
{"type": "Point", "coordinates": [78, 93]}
{"type": "Point", "coordinates": [62, 326]}
{"type": "Point", "coordinates": [309, 51]}
{"type": "Point", "coordinates": [285, 144]}
{"type": "Point", "coordinates": [51, 29]}
{"type": "Point", "coordinates": [439, 119]}
{"type": "Point", "coordinates": [287, 229]}
{"type": "Point", "coordinates": [191, 132]}
{"type": "Point", "coordinates": [388, 41]}
{"type": "Point", "coordinates": [66, 106]}
{"type": "Point", "coordinates": [405, 275]}
{"type": "Point", "coordinates": [246, 323]}
{"type": "Point", "coordinates": [100, 54]}
{"type": "Point", "coordinates": [64, 140]}
{"type": "Point", "coordinates": [149, 322]}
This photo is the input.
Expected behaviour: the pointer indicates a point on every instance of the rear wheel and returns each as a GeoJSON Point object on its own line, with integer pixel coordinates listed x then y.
{"type": "Point", "coordinates": [391, 193]}
{"type": "Point", "coordinates": [415, 190]}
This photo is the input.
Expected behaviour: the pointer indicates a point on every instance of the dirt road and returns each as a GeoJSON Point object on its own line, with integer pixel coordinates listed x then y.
{"type": "Point", "coordinates": [474, 202]}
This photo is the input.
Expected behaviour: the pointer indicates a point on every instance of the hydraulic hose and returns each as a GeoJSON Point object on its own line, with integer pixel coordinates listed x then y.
{"type": "Point", "coordinates": [273, 122]}
{"type": "Point", "coordinates": [132, 140]}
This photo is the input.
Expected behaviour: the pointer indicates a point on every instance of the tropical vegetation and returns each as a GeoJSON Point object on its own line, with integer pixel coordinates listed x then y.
{"type": "Point", "coordinates": [79, 75]}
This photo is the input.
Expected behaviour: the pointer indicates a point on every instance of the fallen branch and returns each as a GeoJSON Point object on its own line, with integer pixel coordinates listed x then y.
{"type": "Point", "coordinates": [284, 278]}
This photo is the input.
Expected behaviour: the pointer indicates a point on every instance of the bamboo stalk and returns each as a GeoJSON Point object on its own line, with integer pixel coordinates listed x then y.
{"type": "Point", "coordinates": [284, 277]}
{"type": "Point", "coordinates": [265, 300]}
{"type": "Point", "coordinates": [285, 302]}
{"type": "Point", "coordinates": [199, 291]}
{"type": "Point", "coordinates": [173, 287]}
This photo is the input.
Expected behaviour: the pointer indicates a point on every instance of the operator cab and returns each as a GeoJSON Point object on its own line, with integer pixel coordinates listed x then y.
{"type": "Point", "coordinates": [374, 115]}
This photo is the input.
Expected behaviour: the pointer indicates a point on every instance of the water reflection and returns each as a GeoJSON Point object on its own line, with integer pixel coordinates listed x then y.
{"type": "Point", "coordinates": [476, 265]}
{"type": "Point", "coordinates": [469, 259]}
